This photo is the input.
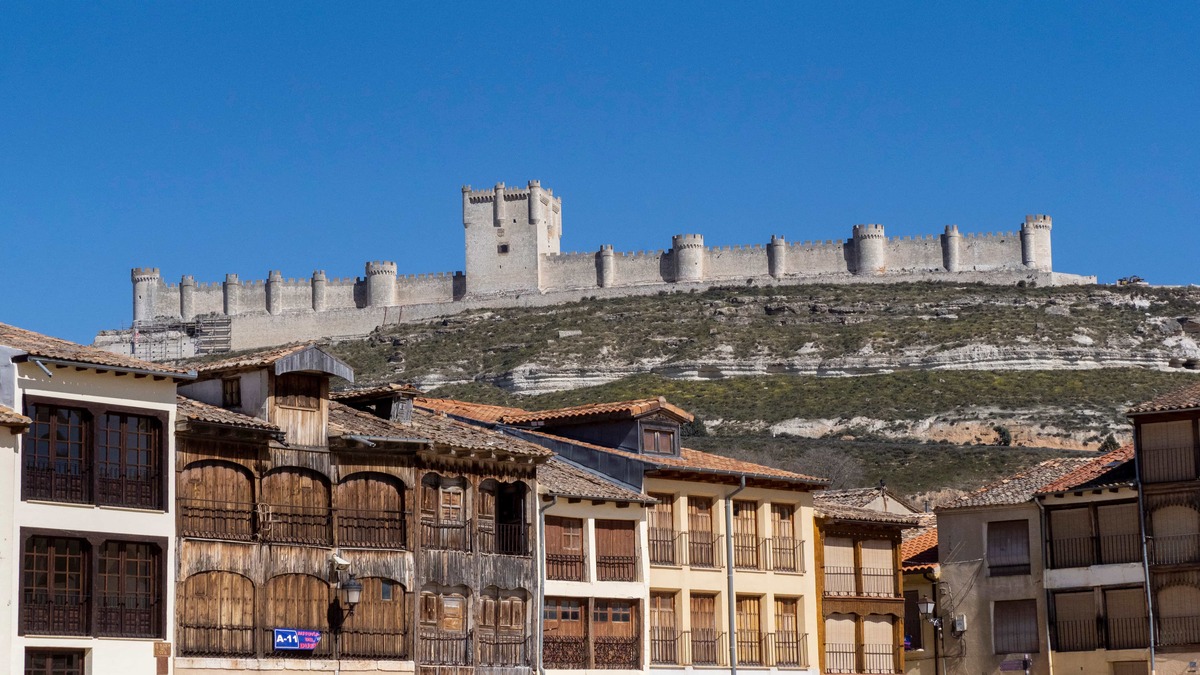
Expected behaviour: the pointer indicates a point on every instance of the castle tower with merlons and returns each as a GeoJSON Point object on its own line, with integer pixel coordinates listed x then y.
{"type": "Point", "coordinates": [513, 258]}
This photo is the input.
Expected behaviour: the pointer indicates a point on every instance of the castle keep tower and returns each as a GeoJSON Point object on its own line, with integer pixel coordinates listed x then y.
{"type": "Point", "coordinates": [1035, 242]}
{"type": "Point", "coordinates": [870, 254]}
{"type": "Point", "coordinates": [507, 232]}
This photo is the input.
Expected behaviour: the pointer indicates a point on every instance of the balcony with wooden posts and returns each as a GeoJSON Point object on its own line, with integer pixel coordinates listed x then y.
{"type": "Point", "coordinates": [293, 524]}
{"type": "Point", "coordinates": [862, 658]}
{"type": "Point", "coordinates": [706, 647]}
{"type": "Point", "coordinates": [1101, 633]}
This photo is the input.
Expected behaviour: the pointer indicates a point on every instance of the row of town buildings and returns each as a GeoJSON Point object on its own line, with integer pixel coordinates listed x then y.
{"type": "Point", "coordinates": [240, 516]}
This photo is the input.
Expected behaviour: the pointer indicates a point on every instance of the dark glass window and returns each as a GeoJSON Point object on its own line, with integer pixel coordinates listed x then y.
{"type": "Point", "coordinates": [231, 393]}
{"type": "Point", "coordinates": [57, 463]}
{"type": "Point", "coordinates": [113, 459]}
{"type": "Point", "coordinates": [54, 597]}
{"type": "Point", "coordinates": [43, 662]}
{"type": "Point", "coordinates": [127, 590]}
{"type": "Point", "coordinates": [127, 461]}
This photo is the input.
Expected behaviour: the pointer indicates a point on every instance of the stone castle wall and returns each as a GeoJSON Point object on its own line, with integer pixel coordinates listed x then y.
{"type": "Point", "coordinates": [512, 255]}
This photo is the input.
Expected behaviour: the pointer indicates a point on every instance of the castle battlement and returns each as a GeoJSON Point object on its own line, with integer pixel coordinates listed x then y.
{"type": "Point", "coordinates": [512, 253]}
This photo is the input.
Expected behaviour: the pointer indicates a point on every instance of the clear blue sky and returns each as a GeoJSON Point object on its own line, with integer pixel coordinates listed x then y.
{"type": "Point", "coordinates": [215, 137]}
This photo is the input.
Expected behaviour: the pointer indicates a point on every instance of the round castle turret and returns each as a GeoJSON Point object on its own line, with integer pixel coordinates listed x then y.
{"type": "Point", "coordinates": [232, 292]}
{"type": "Point", "coordinates": [1035, 242]}
{"type": "Point", "coordinates": [146, 281]}
{"type": "Point", "coordinates": [381, 283]}
{"type": "Point", "coordinates": [777, 257]}
{"type": "Point", "coordinates": [952, 249]}
{"type": "Point", "coordinates": [870, 255]}
{"type": "Point", "coordinates": [535, 202]}
{"type": "Point", "coordinates": [187, 295]}
{"type": "Point", "coordinates": [274, 291]}
{"type": "Point", "coordinates": [318, 290]}
{"type": "Point", "coordinates": [688, 252]}
{"type": "Point", "coordinates": [606, 274]}
{"type": "Point", "coordinates": [498, 213]}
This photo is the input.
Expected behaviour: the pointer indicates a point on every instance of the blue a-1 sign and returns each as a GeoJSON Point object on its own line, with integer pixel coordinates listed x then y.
{"type": "Point", "coordinates": [292, 639]}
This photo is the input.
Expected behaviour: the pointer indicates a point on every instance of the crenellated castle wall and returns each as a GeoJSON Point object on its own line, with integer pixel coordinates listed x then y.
{"type": "Point", "coordinates": [512, 255]}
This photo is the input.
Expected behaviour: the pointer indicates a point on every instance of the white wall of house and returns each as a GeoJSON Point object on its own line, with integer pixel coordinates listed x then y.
{"type": "Point", "coordinates": [103, 655]}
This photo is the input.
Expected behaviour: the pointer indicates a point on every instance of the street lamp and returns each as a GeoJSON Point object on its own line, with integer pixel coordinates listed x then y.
{"type": "Point", "coordinates": [928, 608]}
{"type": "Point", "coordinates": [349, 593]}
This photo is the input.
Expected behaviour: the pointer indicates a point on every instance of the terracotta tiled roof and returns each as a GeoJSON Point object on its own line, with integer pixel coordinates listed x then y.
{"type": "Point", "coordinates": [862, 497]}
{"type": "Point", "coordinates": [1180, 399]}
{"type": "Point", "coordinates": [12, 418]}
{"type": "Point", "coordinates": [435, 427]}
{"type": "Point", "coordinates": [1092, 470]}
{"type": "Point", "coordinates": [372, 392]}
{"type": "Point", "coordinates": [917, 542]}
{"type": "Point", "coordinates": [250, 360]}
{"type": "Point", "coordinates": [561, 478]}
{"type": "Point", "coordinates": [835, 511]}
{"type": "Point", "coordinates": [1021, 487]}
{"type": "Point", "coordinates": [476, 411]}
{"type": "Point", "coordinates": [192, 409]}
{"type": "Point", "coordinates": [633, 408]}
{"type": "Point", "coordinates": [695, 461]}
{"type": "Point", "coordinates": [36, 344]}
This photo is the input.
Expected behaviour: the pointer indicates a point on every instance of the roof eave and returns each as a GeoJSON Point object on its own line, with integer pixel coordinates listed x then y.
{"type": "Point", "coordinates": [145, 372]}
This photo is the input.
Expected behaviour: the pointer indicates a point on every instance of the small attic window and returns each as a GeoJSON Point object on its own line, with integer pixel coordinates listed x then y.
{"type": "Point", "coordinates": [658, 441]}
{"type": "Point", "coordinates": [502, 248]}
{"type": "Point", "coordinates": [231, 392]}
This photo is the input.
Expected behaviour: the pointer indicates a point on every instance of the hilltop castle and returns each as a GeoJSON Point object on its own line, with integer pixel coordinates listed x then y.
{"type": "Point", "coordinates": [513, 259]}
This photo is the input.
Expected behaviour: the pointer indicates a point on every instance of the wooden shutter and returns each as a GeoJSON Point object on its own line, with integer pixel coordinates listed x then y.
{"type": "Point", "coordinates": [450, 502]}
{"type": "Point", "coordinates": [1125, 603]}
{"type": "Point", "coordinates": [296, 601]}
{"type": "Point", "coordinates": [1015, 627]}
{"type": "Point", "coordinates": [879, 649]}
{"type": "Point", "coordinates": [1075, 621]}
{"type": "Point", "coordinates": [662, 514]}
{"type": "Point", "coordinates": [487, 612]}
{"type": "Point", "coordinates": [1167, 451]}
{"type": "Point", "coordinates": [1070, 537]}
{"type": "Point", "coordinates": [840, 629]}
{"type": "Point", "coordinates": [615, 538]}
{"type": "Point", "coordinates": [662, 610]}
{"type": "Point", "coordinates": [700, 515]}
{"type": "Point", "coordinates": [879, 567]}
{"type": "Point", "coordinates": [783, 521]}
{"type": "Point", "coordinates": [749, 613]}
{"type": "Point", "coordinates": [454, 614]}
{"type": "Point", "coordinates": [703, 612]}
{"type": "Point", "coordinates": [564, 535]}
{"type": "Point", "coordinates": [1120, 533]}
{"type": "Point", "coordinates": [787, 616]}
{"type": "Point", "coordinates": [839, 566]}
{"type": "Point", "coordinates": [1008, 547]}
{"type": "Point", "coordinates": [745, 520]}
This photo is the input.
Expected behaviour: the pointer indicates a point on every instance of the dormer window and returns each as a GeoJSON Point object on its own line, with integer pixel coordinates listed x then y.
{"type": "Point", "coordinates": [658, 441]}
{"type": "Point", "coordinates": [295, 390]}
{"type": "Point", "coordinates": [231, 393]}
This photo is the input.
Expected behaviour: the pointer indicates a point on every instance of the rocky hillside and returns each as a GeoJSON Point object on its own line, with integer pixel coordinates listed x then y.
{"type": "Point", "coordinates": [900, 365]}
